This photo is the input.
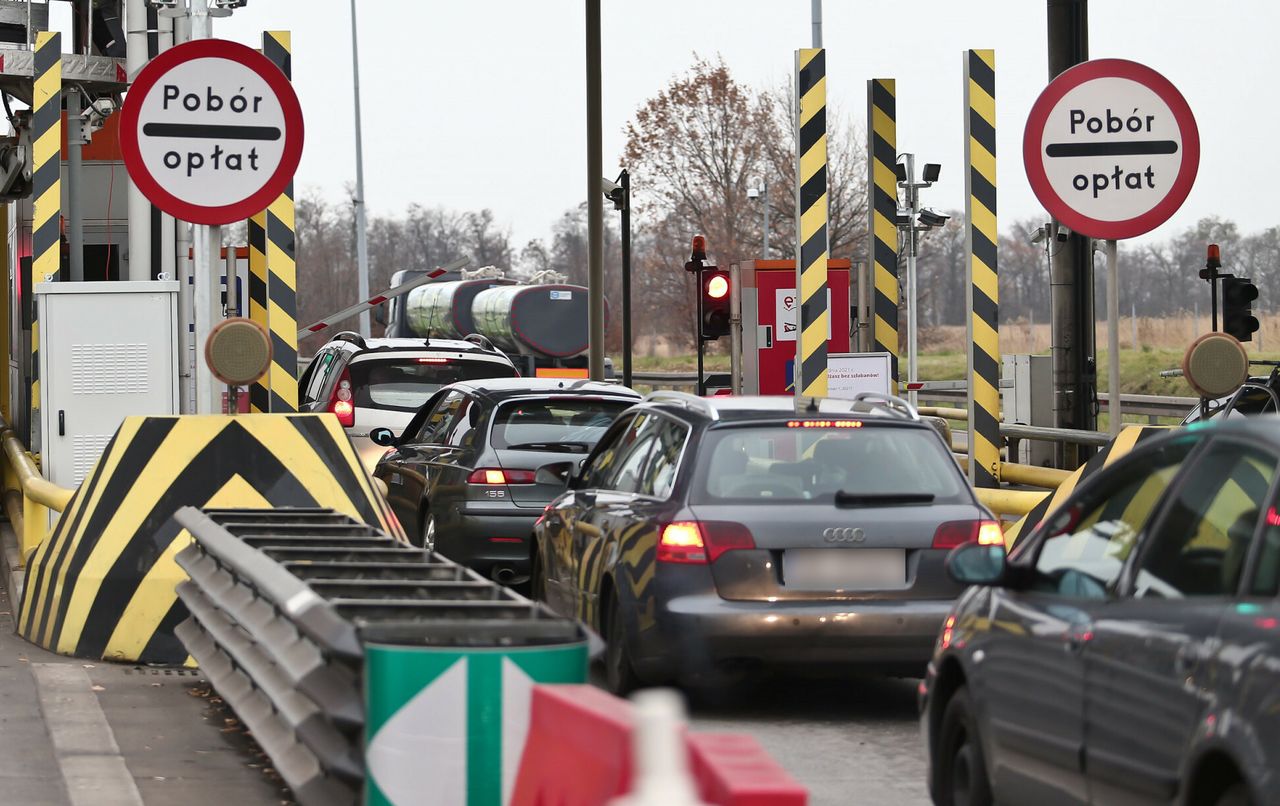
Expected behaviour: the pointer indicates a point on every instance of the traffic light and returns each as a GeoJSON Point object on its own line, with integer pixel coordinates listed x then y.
{"type": "Point", "coordinates": [1238, 294]}
{"type": "Point", "coordinates": [715, 303]}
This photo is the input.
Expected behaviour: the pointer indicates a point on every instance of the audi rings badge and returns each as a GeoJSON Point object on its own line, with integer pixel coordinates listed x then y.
{"type": "Point", "coordinates": [843, 534]}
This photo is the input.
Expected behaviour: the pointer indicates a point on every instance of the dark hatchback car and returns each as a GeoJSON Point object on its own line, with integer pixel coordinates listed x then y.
{"type": "Point", "coordinates": [480, 460]}
{"type": "Point", "coordinates": [713, 534]}
{"type": "Point", "coordinates": [1128, 650]}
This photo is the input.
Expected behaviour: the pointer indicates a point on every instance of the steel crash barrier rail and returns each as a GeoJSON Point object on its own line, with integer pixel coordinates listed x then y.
{"type": "Point", "coordinates": [28, 496]}
{"type": "Point", "coordinates": [356, 659]}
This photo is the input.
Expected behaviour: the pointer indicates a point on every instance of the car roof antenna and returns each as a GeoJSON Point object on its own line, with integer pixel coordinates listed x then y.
{"type": "Point", "coordinates": [812, 408]}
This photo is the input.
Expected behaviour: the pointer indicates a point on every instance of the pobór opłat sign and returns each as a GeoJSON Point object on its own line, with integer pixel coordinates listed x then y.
{"type": "Point", "coordinates": [1111, 148]}
{"type": "Point", "coordinates": [211, 131]}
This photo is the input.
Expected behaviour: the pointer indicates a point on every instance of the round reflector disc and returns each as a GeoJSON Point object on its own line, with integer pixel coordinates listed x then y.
{"type": "Point", "coordinates": [238, 351]}
{"type": "Point", "coordinates": [1215, 365]}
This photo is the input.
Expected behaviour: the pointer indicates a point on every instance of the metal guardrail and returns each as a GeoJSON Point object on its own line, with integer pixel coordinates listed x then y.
{"type": "Point", "coordinates": [282, 603]}
{"type": "Point", "coordinates": [28, 495]}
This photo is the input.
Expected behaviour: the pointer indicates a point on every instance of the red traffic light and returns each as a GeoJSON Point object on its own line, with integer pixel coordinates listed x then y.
{"type": "Point", "coordinates": [718, 286]}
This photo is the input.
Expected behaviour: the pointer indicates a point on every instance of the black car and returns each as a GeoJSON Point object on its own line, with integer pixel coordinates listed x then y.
{"type": "Point", "coordinates": [481, 459]}
{"type": "Point", "coordinates": [706, 535]}
{"type": "Point", "coordinates": [1128, 650]}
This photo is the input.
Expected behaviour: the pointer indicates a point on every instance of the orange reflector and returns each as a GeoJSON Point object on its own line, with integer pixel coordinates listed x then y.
{"type": "Point", "coordinates": [560, 372]}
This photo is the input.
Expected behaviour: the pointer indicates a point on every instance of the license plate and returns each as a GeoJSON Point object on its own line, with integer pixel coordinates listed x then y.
{"type": "Point", "coordinates": [844, 569]}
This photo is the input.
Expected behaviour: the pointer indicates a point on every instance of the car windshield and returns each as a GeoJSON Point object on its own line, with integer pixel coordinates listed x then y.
{"type": "Point", "coordinates": [573, 424]}
{"type": "Point", "coordinates": [404, 383]}
{"type": "Point", "coordinates": [844, 464]}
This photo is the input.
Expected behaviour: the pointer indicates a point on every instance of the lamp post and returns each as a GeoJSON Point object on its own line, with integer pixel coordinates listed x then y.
{"type": "Point", "coordinates": [913, 220]}
{"type": "Point", "coordinates": [761, 194]}
{"type": "Point", "coordinates": [619, 192]}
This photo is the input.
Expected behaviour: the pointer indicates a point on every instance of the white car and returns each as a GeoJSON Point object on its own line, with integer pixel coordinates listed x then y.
{"type": "Point", "coordinates": [371, 383]}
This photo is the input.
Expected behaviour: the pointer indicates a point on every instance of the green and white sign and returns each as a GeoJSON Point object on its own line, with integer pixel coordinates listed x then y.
{"type": "Point", "coordinates": [447, 727]}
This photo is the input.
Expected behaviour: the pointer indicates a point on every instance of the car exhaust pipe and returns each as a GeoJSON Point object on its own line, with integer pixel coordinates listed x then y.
{"type": "Point", "coordinates": [504, 575]}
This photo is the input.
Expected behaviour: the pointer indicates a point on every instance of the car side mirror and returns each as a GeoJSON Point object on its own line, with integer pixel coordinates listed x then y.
{"type": "Point", "coordinates": [976, 564]}
{"type": "Point", "coordinates": [382, 436]}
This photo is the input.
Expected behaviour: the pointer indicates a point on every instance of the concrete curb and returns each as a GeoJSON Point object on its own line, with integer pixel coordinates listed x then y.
{"type": "Point", "coordinates": [11, 564]}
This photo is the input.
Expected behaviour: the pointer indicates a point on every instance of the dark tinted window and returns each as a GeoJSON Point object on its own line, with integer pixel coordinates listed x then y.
{"type": "Point", "coordinates": [404, 384]}
{"type": "Point", "coordinates": [664, 459]}
{"type": "Point", "coordinates": [629, 468]}
{"type": "Point", "coordinates": [602, 463]}
{"type": "Point", "coordinates": [1201, 544]}
{"type": "Point", "coordinates": [317, 374]}
{"type": "Point", "coordinates": [778, 462]}
{"type": "Point", "coordinates": [440, 419]}
{"type": "Point", "coordinates": [554, 424]}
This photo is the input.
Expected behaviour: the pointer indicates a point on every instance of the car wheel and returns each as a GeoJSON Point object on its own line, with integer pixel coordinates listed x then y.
{"type": "Point", "coordinates": [962, 769]}
{"type": "Point", "coordinates": [620, 675]}
{"type": "Point", "coordinates": [1237, 795]}
{"type": "Point", "coordinates": [429, 532]}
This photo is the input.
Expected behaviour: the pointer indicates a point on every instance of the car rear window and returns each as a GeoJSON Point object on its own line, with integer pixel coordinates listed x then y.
{"type": "Point", "coordinates": [404, 384]}
{"type": "Point", "coordinates": [573, 424]}
{"type": "Point", "coordinates": [815, 460]}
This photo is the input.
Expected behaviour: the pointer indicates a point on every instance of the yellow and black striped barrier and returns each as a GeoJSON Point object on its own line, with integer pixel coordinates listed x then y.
{"type": "Point", "coordinates": [811, 223]}
{"type": "Point", "coordinates": [102, 585]}
{"type": "Point", "coordinates": [882, 184]}
{"type": "Point", "coordinates": [46, 189]}
{"type": "Point", "coordinates": [282, 270]}
{"type": "Point", "coordinates": [983, 285]}
{"type": "Point", "coordinates": [259, 390]}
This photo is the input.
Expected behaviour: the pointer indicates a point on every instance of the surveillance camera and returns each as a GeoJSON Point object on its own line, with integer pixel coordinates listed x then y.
{"type": "Point", "coordinates": [608, 186]}
{"type": "Point", "coordinates": [931, 172]}
{"type": "Point", "coordinates": [1063, 233]}
{"type": "Point", "coordinates": [1038, 235]}
{"type": "Point", "coordinates": [932, 218]}
{"type": "Point", "coordinates": [753, 193]}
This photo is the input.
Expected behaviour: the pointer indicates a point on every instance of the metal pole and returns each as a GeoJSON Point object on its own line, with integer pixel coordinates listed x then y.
{"type": "Point", "coordinates": [362, 243]}
{"type": "Point", "coordinates": [913, 210]}
{"type": "Point", "coordinates": [815, 15]}
{"type": "Point", "coordinates": [735, 329]}
{"type": "Point", "coordinates": [1071, 283]}
{"type": "Point", "coordinates": [1113, 340]}
{"type": "Point", "coordinates": [765, 190]}
{"type": "Point", "coordinates": [182, 247]}
{"type": "Point", "coordinates": [208, 239]}
{"type": "Point", "coordinates": [701, 387]}
{"type": "Point", "coordinates": [1133, 323]}
{"type": "Point", "coordinates": [1213, 302]}
{"type": "Point", "coordinates": [75, 182]}
{"type": "Point", "coordinates": [862, 343]}
{"type": "Point", "coordinates": [136, 56]}
{"type": "Point", "coordinates": [595, 202]}
{"type": "Point", "coordinates": [624, 180]}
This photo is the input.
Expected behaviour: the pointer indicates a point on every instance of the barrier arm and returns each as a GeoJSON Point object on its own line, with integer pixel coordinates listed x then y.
{"type": "Point", "coordinates": [379, 298]}
{"type": "Point", "coordinates": [39, 495]}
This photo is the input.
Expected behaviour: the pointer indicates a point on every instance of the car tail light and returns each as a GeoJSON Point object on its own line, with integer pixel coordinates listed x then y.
{"type": "Point", "coordinates": [434, 359]}
{"type": "Point", "coordinates": [497, 475]}
{"type": "Point", "coordinates": [340, 402]}
{"type": "Point", "coordinates": [957, 533]}
{"type": "Point", "coordinates": [702, 541]}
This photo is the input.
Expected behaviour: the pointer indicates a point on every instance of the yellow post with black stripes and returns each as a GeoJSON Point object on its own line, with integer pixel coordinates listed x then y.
{"type": "Point", "coordinates": [811, 223]}
{"type": "Point", "coordinates": [282, 271]}
{"type": "Point", "coordinates": [46, 189]}
{"type": "Point", "coordinates": [259, 390]}
{"type": "Point", "coordinates": [882, 184]}
{"type": "Point", "coordinates": [982, 286]}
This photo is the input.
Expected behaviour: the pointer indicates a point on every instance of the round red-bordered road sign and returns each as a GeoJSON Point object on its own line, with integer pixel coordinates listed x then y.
{"type": "Point", "coordinates": [211, 131]}
{"type": "Point", "coordinates": [1111, 148]}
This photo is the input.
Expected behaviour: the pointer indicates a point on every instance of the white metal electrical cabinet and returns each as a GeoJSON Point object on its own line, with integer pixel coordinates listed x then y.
{"type": "Point", "coordinates": [107, 350]}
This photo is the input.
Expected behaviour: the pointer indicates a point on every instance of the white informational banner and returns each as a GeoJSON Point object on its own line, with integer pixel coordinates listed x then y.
{"type": "Point", "coordinates": [850, 373]}
{"type": "Point", "coordinates": [784, 314]}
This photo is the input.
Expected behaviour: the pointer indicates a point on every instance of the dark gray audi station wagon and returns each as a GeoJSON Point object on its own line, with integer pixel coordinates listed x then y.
{"type": "Point", "coordinates": [712, 533]}
{"type": "Point", "coordinates": [1128, 650]}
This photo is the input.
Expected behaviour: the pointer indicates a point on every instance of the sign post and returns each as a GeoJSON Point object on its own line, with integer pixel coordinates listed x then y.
{"type": "Point", "coordinates": [1111, 150]}
{"type": "Point", "coordinates": [211, 132]}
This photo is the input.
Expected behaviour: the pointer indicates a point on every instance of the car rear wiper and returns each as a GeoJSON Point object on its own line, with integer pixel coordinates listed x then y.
{"type": "Point", "coordinates": [571, 447]}
{"type": "Point", "coordinates": [847, 499]}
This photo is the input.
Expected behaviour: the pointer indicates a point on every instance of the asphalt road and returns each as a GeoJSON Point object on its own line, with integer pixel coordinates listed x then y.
{"type": "Point", "coordinates": [851, 741]}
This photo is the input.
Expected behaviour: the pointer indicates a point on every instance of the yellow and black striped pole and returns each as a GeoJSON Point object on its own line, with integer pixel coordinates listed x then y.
{"type": "Point", "coordinates": [46, 189]}
{"type": "Point", "coordinates": [983, 286]}
{"type": "Point", "coordinates": [260, 390]}
{"type": "Point", "coordinates": [882, 184]}
{"type": "Point", "coordinates": [282, 271]}
{"type": "Point", "coordinates": [811, 223]}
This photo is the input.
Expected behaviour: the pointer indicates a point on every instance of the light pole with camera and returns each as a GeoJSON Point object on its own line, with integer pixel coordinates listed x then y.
{"type": "Point", "coordinates": [913, 220]}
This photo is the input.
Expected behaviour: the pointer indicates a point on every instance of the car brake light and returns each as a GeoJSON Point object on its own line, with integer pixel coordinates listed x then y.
{"type": "Point", "coordinates": [496, 475]}
{"type": "Point", "coordinates": [702, 541]}
{"type": "Point", "coordinates": [433, 360]}
{"type": "Point", "coordinates": [340, 402]}
{"type": "Point", "coordinates": [957, 533]}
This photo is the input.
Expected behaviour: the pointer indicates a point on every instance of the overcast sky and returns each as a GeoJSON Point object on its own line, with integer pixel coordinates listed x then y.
{"type": "Point", "coordinates": [481, 103]}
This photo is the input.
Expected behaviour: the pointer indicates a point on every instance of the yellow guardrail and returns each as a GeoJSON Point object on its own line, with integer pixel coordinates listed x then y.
{"type": "Point", "coordinates": [28, 496]}
{"type": "Point", "coordinates": [1009, 502]}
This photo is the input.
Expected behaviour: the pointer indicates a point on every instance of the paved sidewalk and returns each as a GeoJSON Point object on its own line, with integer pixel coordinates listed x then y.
{"type": "Point", "coordinates": [76, 733]}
